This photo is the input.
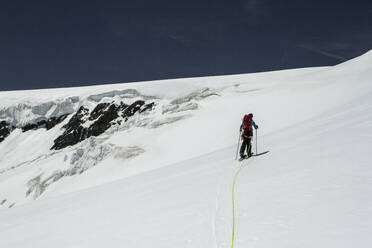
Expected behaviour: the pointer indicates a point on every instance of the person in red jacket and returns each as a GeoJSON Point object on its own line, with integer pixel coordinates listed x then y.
{"type": "Point", "coordinates": [246, 130]}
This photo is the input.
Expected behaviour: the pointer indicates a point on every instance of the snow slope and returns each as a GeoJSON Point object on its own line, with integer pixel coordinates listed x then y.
{"type": "Point", "coordinates": [313, 189]}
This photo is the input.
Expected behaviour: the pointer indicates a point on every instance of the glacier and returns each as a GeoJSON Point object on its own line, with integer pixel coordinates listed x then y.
{"type": "Point", "coordinates": [163, 177]}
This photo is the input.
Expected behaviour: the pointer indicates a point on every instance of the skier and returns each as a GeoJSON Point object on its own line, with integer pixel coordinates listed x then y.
{"type": "Point", "coordinates": [246, 131]}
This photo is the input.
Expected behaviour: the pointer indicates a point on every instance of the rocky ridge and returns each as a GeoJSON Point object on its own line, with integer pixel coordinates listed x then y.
{"type": "Point", "coordinates": [82, 124]}
{"type": "Point", "coordinates": [85, 124]}
{"type": "Point", "coordinates": [5, 129]}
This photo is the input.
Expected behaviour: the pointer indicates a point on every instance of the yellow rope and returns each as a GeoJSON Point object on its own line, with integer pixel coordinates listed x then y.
{"type": "Point", "coordinates": [233, 202]}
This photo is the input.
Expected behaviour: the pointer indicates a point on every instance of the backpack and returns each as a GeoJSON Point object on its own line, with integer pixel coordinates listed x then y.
{"type": "Point", "coordinates": [247, 123]}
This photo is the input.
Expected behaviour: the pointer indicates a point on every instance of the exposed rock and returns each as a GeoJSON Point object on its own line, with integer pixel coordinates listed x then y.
{"type": "Point", "coordinates": [147, 107]}
{"type": "Point", "coordinates": [103, 122]}
{"type": "Point", "coordinates": [76, 120]}
{"type": "Point", "coordinates": [70, 138]}
{"type": "Point", "coordinates": [48, 124]}
{"type": "Point", "coordinates": [98, 110]}
{"type": "Point", "coordinates": [74, 132]}
{"type": "Point", "coordinates": [12, 205]}
{"type": "Point", "coordinates": [34, 126]}
{"type": "Point", "coordinates": [52, 122]}
{"type": "Point", "coordinates": [103, 116]}
{"type": "Point", "coordinates": [5, 130]}
{"type": "Point", "coordinates": [2, 202]}
{"type": "Point", "coordinates": [132, 109]}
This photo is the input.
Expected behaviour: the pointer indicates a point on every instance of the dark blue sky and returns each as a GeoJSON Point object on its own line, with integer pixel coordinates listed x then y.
{"type": "Point", "coordinates": [47, 44]}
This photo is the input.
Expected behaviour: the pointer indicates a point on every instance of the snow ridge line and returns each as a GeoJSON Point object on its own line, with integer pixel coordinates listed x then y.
{"type": "Point", "coordinates": [233, 204]}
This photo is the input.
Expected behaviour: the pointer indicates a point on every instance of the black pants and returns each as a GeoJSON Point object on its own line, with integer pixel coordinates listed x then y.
{"type": "Point", "coordinates": [247, 137]}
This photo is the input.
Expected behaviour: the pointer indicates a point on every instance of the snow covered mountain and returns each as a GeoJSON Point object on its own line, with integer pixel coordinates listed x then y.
{"type": "Point", "coordinates": [151, 164]}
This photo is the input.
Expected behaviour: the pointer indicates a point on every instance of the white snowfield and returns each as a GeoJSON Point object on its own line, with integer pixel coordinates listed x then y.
{"type": "Point", "coordinates": [164, 179]}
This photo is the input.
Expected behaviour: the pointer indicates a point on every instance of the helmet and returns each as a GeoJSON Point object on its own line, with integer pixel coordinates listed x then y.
{"type": "Point", "coordinates": [251, 115]}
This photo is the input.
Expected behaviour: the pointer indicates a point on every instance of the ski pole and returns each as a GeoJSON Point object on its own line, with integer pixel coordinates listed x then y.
{"type": "Point", "coordinates": [237, 149]}
{"type": "Point", "coordinates": [256, 143]}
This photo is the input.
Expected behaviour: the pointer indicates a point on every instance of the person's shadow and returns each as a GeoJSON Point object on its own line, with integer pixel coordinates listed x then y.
{"type": "Point", "coordinates": [259, 154]}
